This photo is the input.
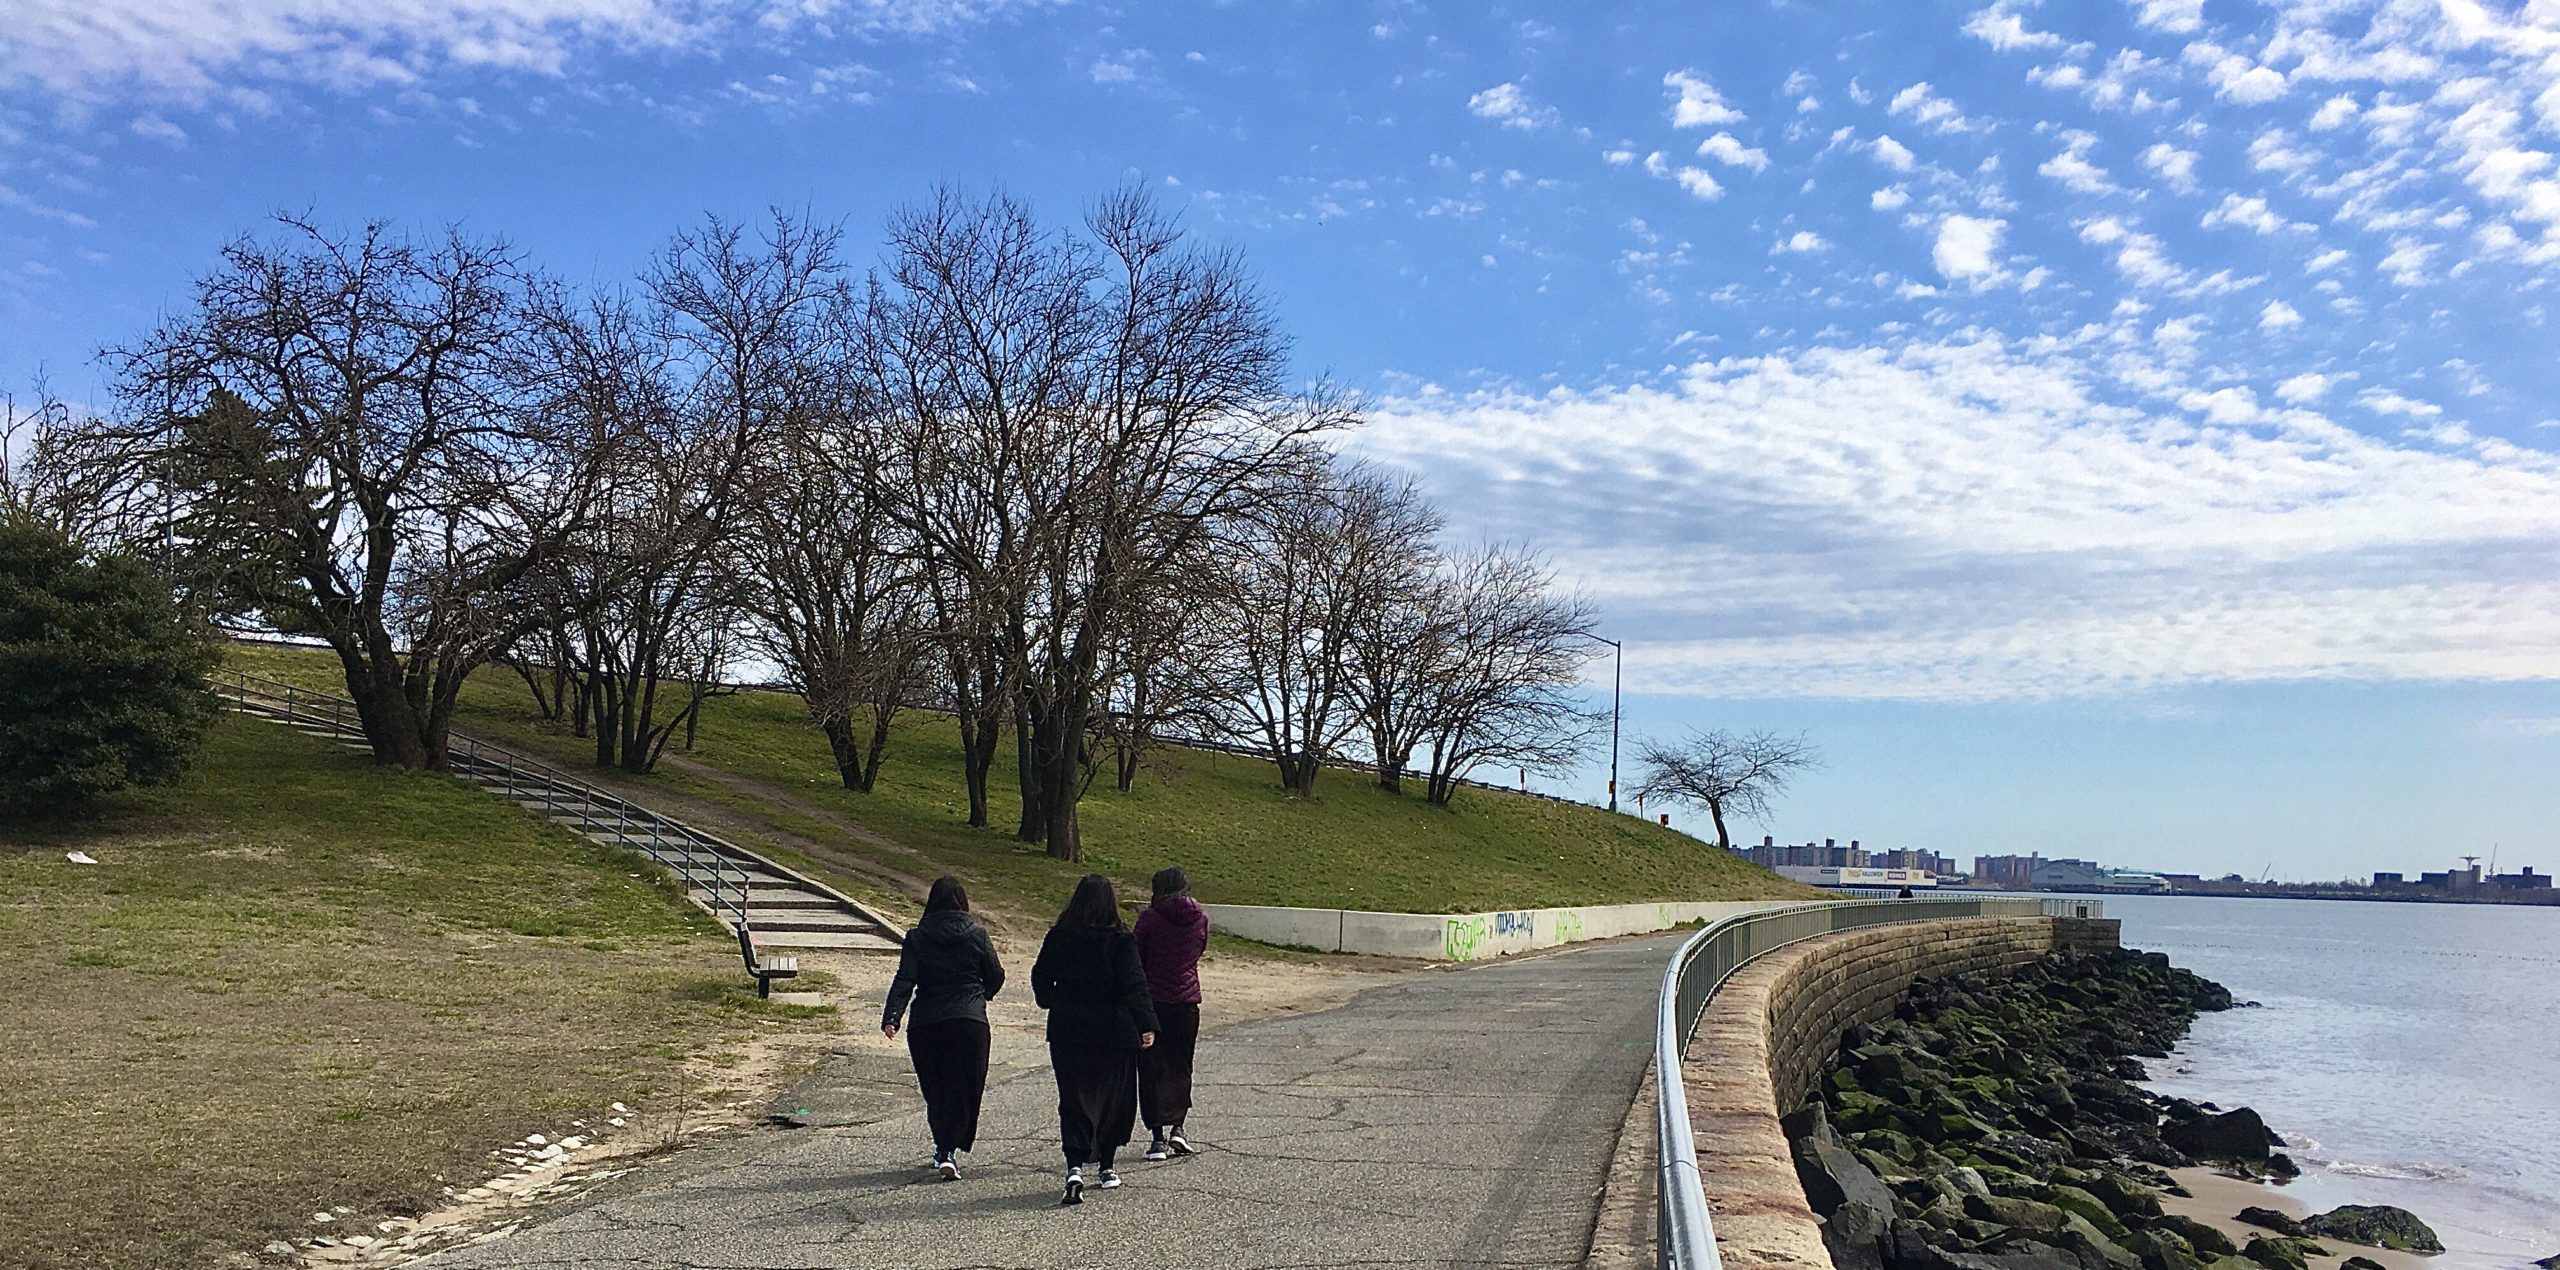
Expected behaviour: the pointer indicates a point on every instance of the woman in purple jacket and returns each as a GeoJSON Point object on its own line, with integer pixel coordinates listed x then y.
{"type": "Point", "coordinates": [1171, 935]}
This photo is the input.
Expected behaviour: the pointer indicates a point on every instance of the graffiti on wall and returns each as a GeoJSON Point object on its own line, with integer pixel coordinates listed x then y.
{"type": "Point", "coordinates": [1568, 926]}
{"type": "Point", "coordinates": [1464, 936]}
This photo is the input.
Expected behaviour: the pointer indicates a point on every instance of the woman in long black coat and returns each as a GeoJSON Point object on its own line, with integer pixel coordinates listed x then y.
{"type": "Point", "coordinates": [1089, 980]}
{"type": "Point", "coordinates": [949, 966]}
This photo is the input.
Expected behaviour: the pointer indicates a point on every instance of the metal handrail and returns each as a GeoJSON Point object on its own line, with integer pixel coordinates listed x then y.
{"type": "Point", "coordinates": [1685, 1238]}
{"type": "Point", "coordinates": [705, 865]}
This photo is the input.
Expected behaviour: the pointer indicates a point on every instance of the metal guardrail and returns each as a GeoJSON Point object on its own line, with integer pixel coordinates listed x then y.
{"type": "Point", "coordinates": [1685, 1237]}
{"type": "Point", "coordinates": [699, 860]}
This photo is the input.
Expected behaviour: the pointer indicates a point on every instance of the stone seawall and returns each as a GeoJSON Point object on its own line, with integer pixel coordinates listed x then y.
{"type": "Point", "coordinates": [1766, 1035]}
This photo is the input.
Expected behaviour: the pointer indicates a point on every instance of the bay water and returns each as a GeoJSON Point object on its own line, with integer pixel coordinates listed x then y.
{"type": "Point", "coordinates": [2408, 1053]}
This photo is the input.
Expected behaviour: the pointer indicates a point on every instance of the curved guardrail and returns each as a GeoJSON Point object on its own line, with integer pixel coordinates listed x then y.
{"type": "Point", "coordinates": [1686, 1239]}
{"type": "Point", "coordinates": [701, 861]}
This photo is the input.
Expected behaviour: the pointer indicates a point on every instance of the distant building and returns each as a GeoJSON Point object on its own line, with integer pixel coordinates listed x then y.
{"type": "Point", "coordinates": [2089, 875]}
{"type": "Point", "coordinates": [2005, 870]}
{"type": "Point", "coordinates": [2390, 880]}
{"type": "Point", "coordinates": [2525, 881]}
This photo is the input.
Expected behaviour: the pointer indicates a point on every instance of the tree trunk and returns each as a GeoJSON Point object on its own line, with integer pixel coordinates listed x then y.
{"type": "Point", "coordinates": [1724, 840]}
{"type": "Point", "coordinates": [1030, 742]}
{"type": "Point", "coordinates": [978, 736]}
{"type": "Point", "coordinates": [848, 754]}
{"type": "Point", "coordinates": [880, 719]}
{"type": "Point", "coordinates": [391, 724]}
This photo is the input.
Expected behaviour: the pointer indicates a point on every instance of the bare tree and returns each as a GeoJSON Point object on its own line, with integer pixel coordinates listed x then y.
{"type": "Point", "coordinates": [840, 606]}
{"type": "Point", "coordinates": [1504, 686]}
{"type": "Point", "coordinates": [1300, 577]}
{"type": "Point", "coordinates": [702, 379]}
{"type": "Point", "coordinates": [1072, 416]}
{"type": "Point", "coordinates": [332, 425]}
{"type": "Point", "coordinates": [1726, 773]}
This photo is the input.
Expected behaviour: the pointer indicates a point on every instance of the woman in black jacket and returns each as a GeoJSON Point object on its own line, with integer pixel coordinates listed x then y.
{"type": "Point", "coordinates": [1100, 1016]}
{"type": "Point", "coordinates": [950, 967]}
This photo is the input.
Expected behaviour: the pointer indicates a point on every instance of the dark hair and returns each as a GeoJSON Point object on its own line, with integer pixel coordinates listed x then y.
{"type": "Point", "coordinates": [1092, 907]}
{"type": "Point", "coordinates": [1171, 881]}
{"type": "Point", "coordinates": [947, 895]}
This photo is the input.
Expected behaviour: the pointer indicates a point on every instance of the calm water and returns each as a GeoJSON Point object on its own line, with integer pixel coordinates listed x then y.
{"type": "Point", "coordinates": [2410, 1053]}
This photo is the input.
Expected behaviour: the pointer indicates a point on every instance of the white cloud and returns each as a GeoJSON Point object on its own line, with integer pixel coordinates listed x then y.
{"type": "Point", "coordinates": [2000, 27]}
{"type": "Point", "coordinates": [2303, 388]}
{"type": "Point", "coordinates": [1968, 248]}
{"type": "Point", "coordinates": [2278, 316]}
{"type": "Point", "coordinates": [1893, 154]}
{"type": "Point", "coordinates": [2176, 16]}
{"type": "Point", "coordinates": [1725, 149]}
{"type": "Point", "coordinates": [2175, 166]}
{"type": "Point", "coordinates": [1889, 198]}
{"type": "Point", "coordinates": [1699, 182]}
{"type": "Point", "coordinates": [1696, 103]}
{"type": "Point", "coordinates": [1922, 105]}
{"type": "Point", "coordinates": [2236, 78]}
{"type": "Point", "coordinates": [155, 128]}
{"type": "Point", "coordinates": [2138, 256]}
{"type": "Point", "coordinates": [2333, 113]}
{"type": "Point", "coordinates": [1803, 242]}
{"type": "Point", "coordinates": [2250, 213]}
{"type": "Point", "coordinates": [194, 50]}
{"type": "Point", "coordinates": [2001, 525]}
{"type": "Point", "coordinates": [1509, 105]}
{"type": "Point", "coordinates": [2073, 169]}
{"type": "Point", "coordinates": [1124, 67]}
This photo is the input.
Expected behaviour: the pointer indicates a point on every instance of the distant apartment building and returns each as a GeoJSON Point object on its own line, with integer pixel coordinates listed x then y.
{"type": "Point", "coordinates": [2005, 870]}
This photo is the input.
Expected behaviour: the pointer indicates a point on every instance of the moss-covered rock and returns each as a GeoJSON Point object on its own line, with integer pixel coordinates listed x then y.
{"type": "Point", "coordinates": [2375, 1226]}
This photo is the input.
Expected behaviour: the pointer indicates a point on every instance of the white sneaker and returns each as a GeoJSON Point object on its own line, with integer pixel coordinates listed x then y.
{"type": "Point", "coordinates": [1175, 1140]}
{"type": "Point", "coordinates": [1157, 1150]}
{"type": "Point", "coordinates": [949, 1168]}
{"type": "Point", "coordinates": [1110, 1180]}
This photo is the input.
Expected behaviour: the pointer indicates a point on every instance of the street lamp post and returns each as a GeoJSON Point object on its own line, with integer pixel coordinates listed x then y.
{"type": "Point", "coordinates": [1617, 681]}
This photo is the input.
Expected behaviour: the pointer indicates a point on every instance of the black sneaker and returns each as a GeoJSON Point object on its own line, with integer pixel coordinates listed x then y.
{"type": "Point", "coordinates": [1075, 1188]}
{"type": "Point", "coordinates": [1110, 1180]}
{"type": "Point", "coordinates": [1157, 1150]}
{"type": "Point", "coordinates": [1174, 1139]}
{"type": "Point", "coordinates": [946, 1166]}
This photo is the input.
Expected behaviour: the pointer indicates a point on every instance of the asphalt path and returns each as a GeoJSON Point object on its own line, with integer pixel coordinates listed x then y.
{"type": "Point", "coordinates": [1450, 1118]}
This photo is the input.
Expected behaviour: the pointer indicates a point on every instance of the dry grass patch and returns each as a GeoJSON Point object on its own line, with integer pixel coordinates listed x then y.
{"type": "Point", "coordinates": [297, 982]}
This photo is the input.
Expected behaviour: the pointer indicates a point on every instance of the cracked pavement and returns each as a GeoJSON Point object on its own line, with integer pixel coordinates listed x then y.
{"type": "Point", "coordinates": [1452, 1118]}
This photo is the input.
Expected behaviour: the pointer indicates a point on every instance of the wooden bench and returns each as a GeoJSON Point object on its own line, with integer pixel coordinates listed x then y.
{"type": "Point", "coordinates": [766, 969]}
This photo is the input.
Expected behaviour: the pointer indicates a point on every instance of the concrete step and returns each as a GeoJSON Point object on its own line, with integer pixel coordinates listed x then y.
{"type": "Point", "coordinates": [761, 898]}
{"type": "Point", "coordinates": [820, 920]}
{"type": "Point", "coordinates": [829, 940]}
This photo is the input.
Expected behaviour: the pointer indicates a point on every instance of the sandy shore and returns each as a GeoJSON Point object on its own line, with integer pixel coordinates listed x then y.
{"type": "Point", "coordinates": [2217, 1199]}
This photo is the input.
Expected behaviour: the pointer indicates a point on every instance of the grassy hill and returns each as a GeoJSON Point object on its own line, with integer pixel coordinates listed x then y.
{"type": "Point", "coordinates": [297, 981]}
{"type": "Point", "coordinates": [1221, 817]}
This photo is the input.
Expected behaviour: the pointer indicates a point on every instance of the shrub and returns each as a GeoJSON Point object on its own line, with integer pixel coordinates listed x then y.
{"type": "Point", "coordinates": [102, 681]}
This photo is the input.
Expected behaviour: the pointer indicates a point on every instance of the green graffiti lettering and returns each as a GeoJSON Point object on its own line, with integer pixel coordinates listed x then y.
{"type": "Point", "coordinates": [1466, 936]}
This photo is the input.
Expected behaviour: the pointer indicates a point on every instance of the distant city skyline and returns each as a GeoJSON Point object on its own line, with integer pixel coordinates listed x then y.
{"type": "Point", "coordinates": [2120, 430]}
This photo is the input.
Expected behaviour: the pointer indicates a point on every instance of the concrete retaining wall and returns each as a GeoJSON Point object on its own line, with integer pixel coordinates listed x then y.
{"type": "Point", "coordinates": [1462, 936]}
{"type": "Point", "coordinates": [1766, 1035]}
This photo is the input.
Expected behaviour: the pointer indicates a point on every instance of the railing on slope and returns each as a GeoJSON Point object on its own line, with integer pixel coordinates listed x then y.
{"type": "Point", "coordinates": [699, 860]}
{"type": "Point", "coordinates": [1686, 1239]}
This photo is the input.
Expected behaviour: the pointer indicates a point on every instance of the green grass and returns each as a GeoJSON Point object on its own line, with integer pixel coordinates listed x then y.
{"type": "Point", "coordinates": [1223, 818]}
{"type": "Point", "coordinates": [297, 981]}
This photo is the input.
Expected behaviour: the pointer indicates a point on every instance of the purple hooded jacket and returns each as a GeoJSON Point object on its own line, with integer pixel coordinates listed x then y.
{"type": "Point", "coordinates": [1171, 935]}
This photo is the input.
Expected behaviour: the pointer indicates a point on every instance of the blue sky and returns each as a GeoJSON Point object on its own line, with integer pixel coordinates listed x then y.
{"type": "Point", "coordinates": [2117, 429]}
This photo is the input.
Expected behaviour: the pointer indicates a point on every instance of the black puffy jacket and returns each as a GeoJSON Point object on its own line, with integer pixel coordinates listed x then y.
{"type": "Point", "coordinates": [949, 966]}
{"type": "Point", "coordinates": [1090, 982]}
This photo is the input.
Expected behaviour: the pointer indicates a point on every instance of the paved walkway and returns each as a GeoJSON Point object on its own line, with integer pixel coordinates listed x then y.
{"type": "Point", "coordinates": [1463, 1118]}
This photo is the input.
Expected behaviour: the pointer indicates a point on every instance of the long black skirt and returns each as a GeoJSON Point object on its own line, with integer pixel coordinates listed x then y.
{"type": "Point", "coordinates": [1164, 1069]}
{"type": "Point", "coordinates": [1097, 1099]}
{"type": "Point", "coordinates": [951, 1069]}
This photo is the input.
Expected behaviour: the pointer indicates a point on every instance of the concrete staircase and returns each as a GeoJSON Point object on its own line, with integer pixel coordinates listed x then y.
{"type": "Point", "coordinates": [777, 906]}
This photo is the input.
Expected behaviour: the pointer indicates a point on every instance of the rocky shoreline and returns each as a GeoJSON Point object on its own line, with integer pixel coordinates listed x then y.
{"type": "Point", "coordinates": [1994, 1123]}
